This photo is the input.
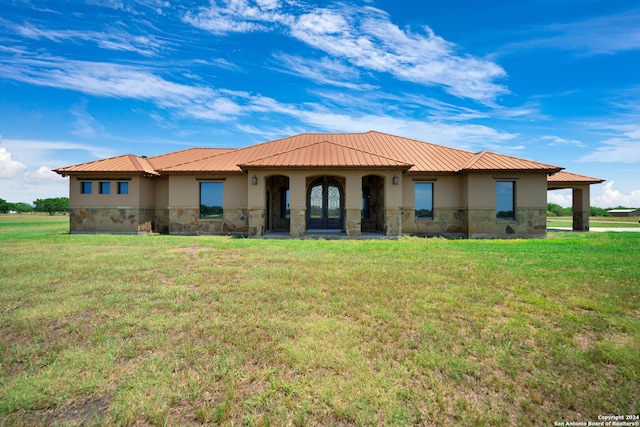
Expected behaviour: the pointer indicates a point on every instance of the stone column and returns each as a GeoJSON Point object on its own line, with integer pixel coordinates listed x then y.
{"type": "Point", "coordinates": [581, 208]}
{"type": "Point", "coordinates": [256, 222]}
{"type": "Point", "coordinates": [352, 222]}
{"type": "Point", "coordinates": [393, 222]}
{"type": "Point", "coordinates": [298, 222]}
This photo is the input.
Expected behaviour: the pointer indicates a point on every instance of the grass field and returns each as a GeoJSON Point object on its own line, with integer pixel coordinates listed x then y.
{"type": "Point", "coordinates": [168, 330]}
{"type": "Point", "coordinates": [595, 222]}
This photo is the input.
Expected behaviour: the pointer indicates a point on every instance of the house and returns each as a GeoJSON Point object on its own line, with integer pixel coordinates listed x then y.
{"type": "Point", "coordinates": [354, 183]}
{"type": "Point", "coordinates": [624, 213]}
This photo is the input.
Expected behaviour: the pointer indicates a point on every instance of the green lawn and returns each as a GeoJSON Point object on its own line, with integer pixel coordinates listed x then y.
{"type": "Point", "coordinates": [168, 330]}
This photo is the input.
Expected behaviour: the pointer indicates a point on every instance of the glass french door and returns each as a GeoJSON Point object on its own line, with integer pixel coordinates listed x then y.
{"type": "Point", "coordinates": [324, 205]}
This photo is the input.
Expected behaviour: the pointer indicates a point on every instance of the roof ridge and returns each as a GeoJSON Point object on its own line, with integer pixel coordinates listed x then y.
{"type": "Point", "coordinates": [135, 160]}
{"type": "Point", "coordinates": [325, 142]}
{"type": "Point", "coordinates": [473, 160]}
{"type": "Point", "coordinates": [370, 153]}
{"type": "Point", "coordinates": [204, 158]}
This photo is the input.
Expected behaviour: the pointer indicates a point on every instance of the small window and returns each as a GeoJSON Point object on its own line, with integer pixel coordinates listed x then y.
{"type": "Point", "coordinates": [211, 200]}
{"type": "Point", "coordinates": [123, 188]}
{"type": "Point", "coordinates": [424, 200]}
{"type": "Point", "coordinates": [105, 187]}
{"type": "Point", "coordinates": [285, 203]}
{"type": "Point", "coordinates": [85, 187]}
{"type": "Point", "coordinates": [506, 200]}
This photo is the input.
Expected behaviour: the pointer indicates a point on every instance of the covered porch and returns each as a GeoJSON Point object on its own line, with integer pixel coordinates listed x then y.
{"type": "Point", "coordinates": [580, 186]}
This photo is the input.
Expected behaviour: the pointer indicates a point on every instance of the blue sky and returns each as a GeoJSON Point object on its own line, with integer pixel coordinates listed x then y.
{"type": "Point", "coordinates": [555, 82]}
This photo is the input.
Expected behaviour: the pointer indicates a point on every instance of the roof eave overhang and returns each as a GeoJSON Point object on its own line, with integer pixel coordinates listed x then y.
{"type": "Point", "coordinates": [325, 167]}
{"type": "Point", "coordinates": [110, 174]}
{"type": "Point", "coordinates": [509, 171]}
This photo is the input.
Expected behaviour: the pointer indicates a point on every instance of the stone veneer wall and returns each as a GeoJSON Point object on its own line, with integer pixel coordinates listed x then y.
{"type": "Point", "coordinates": [186, 221]}
{"type": "Point", "coordinates": [529, 222]}
{"type": "Point", "coordinates": [445, 222]}
{"type": "Point", "coordinates": [352, 222]}
{"type": "Point", "coordinates": [110, 220]}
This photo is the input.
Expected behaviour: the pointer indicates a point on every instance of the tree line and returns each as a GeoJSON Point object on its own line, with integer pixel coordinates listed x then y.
{"type": "Point", "coordinates": [554, 209]}
{"type": "Point", "coordinates": [51, 206]}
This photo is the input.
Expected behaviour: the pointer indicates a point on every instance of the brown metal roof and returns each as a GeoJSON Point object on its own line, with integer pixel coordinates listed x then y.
{"type": "Point", "coordinates": [327, 150]}
{"type": "Point", "coordinates": [425, 157]}
{"type": "Point", "coordinates": [493, 162]}
{"type": "Point", "coordinates": [184, 156]}
{"type": "Point", "coordinates": [325, 154]}
{"type": "Point", "coordinates": [127, 163]}
{"type": "Point", "coordinates": [568, 178]}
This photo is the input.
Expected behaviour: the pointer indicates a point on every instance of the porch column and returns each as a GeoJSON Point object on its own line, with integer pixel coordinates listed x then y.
{"type": "Point", "coordinates": [393, 204]}
{"type": "Point", "coordinates": [256, 204]}
{"type": "Point", "coordinates": [298, 205]}
{"type": "Point", "coordinates": [581, 207]}
{"type": "Point", "coordinates": [353, 205]}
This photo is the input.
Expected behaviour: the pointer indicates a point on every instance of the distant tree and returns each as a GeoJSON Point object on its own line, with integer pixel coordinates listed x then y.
{"type": "Point", "coordinates": [5, 206]}
{"type": "Point", "coordinates": [554, 209]}
{"type": "Point", "coordinates": [22, 207]}
{"type": "Point", "coordinates": [52, 205]}
{"type": "Point", "coordinates": [596, 211]}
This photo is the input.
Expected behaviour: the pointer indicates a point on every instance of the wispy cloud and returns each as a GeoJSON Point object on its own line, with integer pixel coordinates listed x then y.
{"type": "Point", "coordinates": [206, 103]}
{"type": "Point", "coordinates": [365, 38]}
{"type": "Point", "coordinates": [325, 71]}
{"type": "Point", "coordinates": [553, 140]}
{"type": "Point", "coordinates": [624, 147]}
{"type": "Point", "coordinates": [112, 39]}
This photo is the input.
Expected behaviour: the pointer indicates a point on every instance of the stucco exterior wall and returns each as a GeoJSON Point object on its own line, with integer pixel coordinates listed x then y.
{"type": "Point", "coordinates": [463, 205]}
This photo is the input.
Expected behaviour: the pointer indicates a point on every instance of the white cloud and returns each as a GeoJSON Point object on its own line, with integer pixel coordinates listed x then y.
{"type": "Point", "coordinates": [9, 166]}
{"type": "Point", "coordinates": [556, 140]}
{"type": "Point", "coordinates": [563, 198]}
{"type": "Point", "coordinates": [367, 39]}
{"type": "Point", "coordinates": [610, 197]}
{"type": "Point", "coordinates": [43, 174]}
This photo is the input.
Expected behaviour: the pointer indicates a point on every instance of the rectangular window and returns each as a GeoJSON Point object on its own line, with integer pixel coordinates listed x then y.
{"type": "Point", "coordinates": [123, 188]}
{"type": "Point", "coordinates": [105, 187]}
{"type": "Point", "coordinates": [506, 200]}
{"type": "Point", "coordinates": [424, 200]}
{"type": "Point", "coordinates": [211, 200]}
{"type": "Point", "coordinates": [285, 203]}
{"type": "Point", "coordinates": [86, 187]}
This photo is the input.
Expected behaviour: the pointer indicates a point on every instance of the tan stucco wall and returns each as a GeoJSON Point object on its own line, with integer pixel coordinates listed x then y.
{"type": "Point", "coordinates": [95, 199]}
{"type": "Point", "coordinates": [184, 190]}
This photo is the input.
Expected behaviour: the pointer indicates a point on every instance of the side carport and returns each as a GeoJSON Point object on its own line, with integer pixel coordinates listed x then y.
{"type": "Point", "coordinates": [580, 186]}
